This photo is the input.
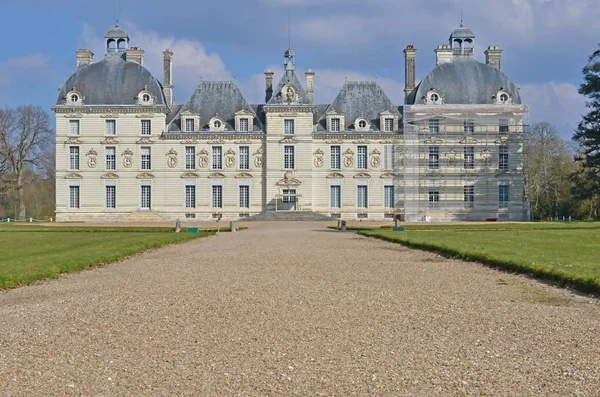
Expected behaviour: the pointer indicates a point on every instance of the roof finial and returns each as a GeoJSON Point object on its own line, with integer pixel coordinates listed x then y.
{"type": "Point", "coordinates": [461, 13]}
{"type": "Point", "coordinates": [289, 28]}
{"type": "Point", "coordinates": [117, 25]}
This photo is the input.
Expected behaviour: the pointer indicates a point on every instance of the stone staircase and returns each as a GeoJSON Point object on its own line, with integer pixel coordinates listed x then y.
{"type": "Point", "coordinates": [289, 216]}
{"type": "Point", "coordinates": [144, 217]}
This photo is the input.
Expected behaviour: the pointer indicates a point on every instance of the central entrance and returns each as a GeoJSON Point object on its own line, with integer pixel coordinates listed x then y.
{"type": "Point", "coordinates": [288, 200]}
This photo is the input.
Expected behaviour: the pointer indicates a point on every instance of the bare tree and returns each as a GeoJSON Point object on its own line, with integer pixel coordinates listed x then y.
{"type": "Point", "coordinates": [24, 134]}
{"type": "Point", "coordinates": [548, 164]}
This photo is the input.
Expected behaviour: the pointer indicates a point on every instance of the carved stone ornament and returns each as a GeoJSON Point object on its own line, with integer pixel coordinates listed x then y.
{"type": "Point", "coordinates": [109, 116]}
{"type": "Point", "coordinates": [375, 161]}
{"type": "Point", "coordinates": [73, 175]}
{"type": "Point", "coordinates": [145, 141]}
{"type": "Point", "coordinates": [452, 158]}
{"type": "Point", "coordinates": [388, 175]}
{"type": "Point", "coordinates": [145, 175]}
{"type": "Point", "coordinates": [335, 175]}
{"type": "Point", "coordinates": [109, 140]}
{"type": "Point", "coordinates": [348, 162]}
{"type": "Point", "coordinates": [289, 180]}
{"type": "Point", "coordinates": [110, 175]}
{"type": "Point", "coordinates": [73, 139]}
{"type": "Point", "coordinates": [467, 140]}
{"type": "Point", "coordinates": [127, 158]}
{"type": "Point", "coordinates": [217, 175]}
{"type": "Point", "coordinates": [362, 175]}
{"type": "Point", "coordinates": [189, 175]}
{"type": "Point", "coordinates": [230, 162]}
{"type": "Point", "coordinates": [172, 158]}
{"type": "Point", "coordinates": [189, 142]}
{"type": "Point", "coordinates": [288, 139]}
{"type": "Point", "coordinates": [319, 158]}
{"type": "Point", "coordinates": [203, 158]}
{"type": "Point", "coordinates": [92, 162]}
{"type": "Point", "coordinates": [243, 175]}
{"type": "Point", "coordinates": [258, 158]}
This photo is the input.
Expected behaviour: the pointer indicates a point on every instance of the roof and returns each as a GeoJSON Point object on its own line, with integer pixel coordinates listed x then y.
{"type": "Point", "coordinates": [289, 78]}
{"type": "Point", "coordinates": [462, 33]}
{"type": "Point", "coordinates": [465, 81]}
{"type": "Point", "coordinates": [361, 99]}
{"type": "Point", "coordinates": [116, 33]}
{"type": "Point", "coordinates": [212, 98]}
{"type": "Point", "coordinates": [112, 81]}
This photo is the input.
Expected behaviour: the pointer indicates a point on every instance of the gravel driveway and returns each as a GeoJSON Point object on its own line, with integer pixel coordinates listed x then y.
{"type": "Point", "coordinates": [292, 309]}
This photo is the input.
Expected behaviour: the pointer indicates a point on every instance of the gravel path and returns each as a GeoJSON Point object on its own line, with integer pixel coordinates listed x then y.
{"type": "Point", "coordinates": [292, 309]}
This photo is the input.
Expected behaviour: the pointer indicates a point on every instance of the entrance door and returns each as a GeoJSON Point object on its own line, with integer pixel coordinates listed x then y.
{"type": "Point", "coordinates": [146, 197]}
{"type": "Point", "coordinates": [289, 199]}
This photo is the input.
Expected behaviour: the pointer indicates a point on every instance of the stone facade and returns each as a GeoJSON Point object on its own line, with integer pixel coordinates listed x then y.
{"type": "Point", "coordinates": [127, 152]}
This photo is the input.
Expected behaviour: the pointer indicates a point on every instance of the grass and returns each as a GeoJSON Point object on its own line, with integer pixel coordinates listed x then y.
{"type": "Point", "coordinates": [31, 253]}
{"type": "Point", "coordinates": [563, 253]}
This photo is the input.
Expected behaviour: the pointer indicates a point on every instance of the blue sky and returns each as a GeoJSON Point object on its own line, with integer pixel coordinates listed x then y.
{"type": "Point", "coordinates": [546, 43]}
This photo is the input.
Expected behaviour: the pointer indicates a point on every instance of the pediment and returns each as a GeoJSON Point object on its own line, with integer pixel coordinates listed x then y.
{"type": "Point", "coordinates": [362, 175]}
{"type": "Point", "coordinates": [189, 113]}
{"type": "Point", "coordinates": [73, 139]}
{"type": "Point", "coordinates": [73, 175]}
{"type": "Point", "coordinates": [389, 113]}
{"type": "Point", "coordinates": [388, 175]}
{"type": "Point", "coordinates": [243, 175]}
{"type": "Point", "coordinates": [467, 140]}
{"type": "Point", "coordinates": [335, 175]}
{"type": "Point", "coordinates": [110, 175]}
{"type": "Point", "coordinates": [289, 182]}
{"type": "Point", "coordinates": [109, 141]}
{"type": "Point", "coordinates": [244, 112]}
{"type": "Point", "coordinates": [219, 175]}
{"type": "Point", "coordinates": [288, 139]}
{"type": "Point", "coordinates": [319, 152]}
{"type": "Point", "coordinates": [334, 112]}
{"type": "Point", "coordinates": [189, 175]}
{"type": "Point", "coordinates": [145, 140]}
{"type": "Point", "coordinates": [145, 175]}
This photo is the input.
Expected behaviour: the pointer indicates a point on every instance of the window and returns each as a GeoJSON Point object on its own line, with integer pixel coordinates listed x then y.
{"type": "Point", "coordinates": [434, 158]}
{"type": "Point", "coordinates": [469, 158]}
{"type": "Point", "coordinates": [434, 198]}
{"type": "Point", "coordinates": [336, 157]}
{"type": "Point", "coordinates": [389, 125]}
{"type": "Point", "coordinates": [146, 98]}
{"type": "Point", "coordinates": [288, 158]}
{"type": "Point", "coordinates": [289, 195]}
{"type": "Point", "coordinates": [503, 195]}
{"type": "Point", "coordinates": [244, 125]}
{"type": "Point", "coordinates": [74, 97]}
{"type": "Point", "coordinates": [110, 153]}
{"type": "Point", "coordinates": [434, 126]}
{"type": "Point", "coordinates": [217, 196]}
{"type": "Point", "coordinates": [469, 196]}
{"type": "Point", "coordinates": [74, 127]}
{"type": "Point", "coordinates": [73, 157]}
{"type": "Point", "coordinates": [146, 155]}
{"type": "Point", "coordinates": [190, 158]}
{"type": "Point", "coordinates": [362, 124]}
{"type": "Point", "coordinates": [388, 197]}
{"type": "Point", "coordinates": [190, 195]}
{"type": "Point", "coordinates": [189, 125]}
{"type": "Point", "coordinates": [110, 127]}
{"type": "Point", "coordinates": [244, 196]}
{"type": "Point", "coordinates": [362, 199]}
{"type": "Point", "coordinates": [244, 157]}
{"type": "Point", "coordinates": [146, 127]}
{"type": "Point", "coordinates": [336, 196]}
{"type": "Point", "coordinates": [288, 126]}
{"type": "Point", "coordinates": [503, 128]}
{"type": "Point", "coordinates": [503, 158]}
{"type": "Point", "coordinates": [362, 160]}
{"type": "Point", "coordinates": [146, 197]}
{"type": "Point", "coordinates": [335, 125]}
{"type": "Point", "coordinates": [73, 196]}
{"type": "Point", "coordinates": [217, 158]}
{"type": "Point", "coordinates": [217, 124]}
{"type": "Point", "coordinates": [469, 127]}
{"type": "Point", "coordinates": [111, 196]}
{"type": "Point", "coordinates": [388, 157]}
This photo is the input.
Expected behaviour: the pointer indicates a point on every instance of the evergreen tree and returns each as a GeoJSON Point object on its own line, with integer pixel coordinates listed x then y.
{"type": "Point", "coordinates": [587, 134]}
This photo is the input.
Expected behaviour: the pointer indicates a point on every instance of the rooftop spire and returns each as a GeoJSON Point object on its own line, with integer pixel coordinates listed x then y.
{"type": "Point", "coordinates": [461, 13]}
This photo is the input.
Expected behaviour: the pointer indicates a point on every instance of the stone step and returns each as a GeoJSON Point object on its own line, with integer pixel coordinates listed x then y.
{"type": "Point", "coordinates": [289, 216]}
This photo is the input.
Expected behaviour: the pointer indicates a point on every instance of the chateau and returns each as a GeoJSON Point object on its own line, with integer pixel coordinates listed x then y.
{"type": "Point", "coordinates": [126, 151]}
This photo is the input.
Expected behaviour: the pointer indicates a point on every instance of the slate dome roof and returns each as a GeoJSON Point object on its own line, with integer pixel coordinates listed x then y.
{"type": "Point", "coordinates": [466, 81]}
{"type": "Point", "coordinates": [116, 33]}
{"type": "Point", "coordinates": [112, 81]}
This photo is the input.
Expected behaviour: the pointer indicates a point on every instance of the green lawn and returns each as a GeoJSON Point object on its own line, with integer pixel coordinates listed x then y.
{"type": "Point", "coordinates": [30, 253]}
{"type": "Point", "coordinates": [566, 253]}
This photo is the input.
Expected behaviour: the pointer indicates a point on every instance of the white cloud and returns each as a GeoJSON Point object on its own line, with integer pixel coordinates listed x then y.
{"type": "Point", "coordinates": [557, 103]}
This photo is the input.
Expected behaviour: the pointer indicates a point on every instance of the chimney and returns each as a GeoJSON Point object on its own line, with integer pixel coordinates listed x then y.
{"type": "Point", "coordinates": [84, 58]}
{"type": "Point", "coordinates": [168, 76]}
{"type": "Point", "coordinates": [443, 54]}
{"type": "Point", "coordinates": [269, 85]}
{"type": "Point", "coordinates": [410, 54]}
{"type": "Point", "coordinates": [493, 57]}
{"type": "Point", "coordinates": [310, 90]}
{"type": "Point", "coordinates": [135, 54]}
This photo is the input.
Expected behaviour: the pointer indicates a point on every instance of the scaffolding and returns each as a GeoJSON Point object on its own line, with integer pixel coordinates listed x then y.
{"type": "Point", "coordinates": [464, 162]}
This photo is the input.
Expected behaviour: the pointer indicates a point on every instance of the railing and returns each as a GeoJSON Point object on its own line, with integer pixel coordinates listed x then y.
{"type": "Point", "coordinates": [30, 220]}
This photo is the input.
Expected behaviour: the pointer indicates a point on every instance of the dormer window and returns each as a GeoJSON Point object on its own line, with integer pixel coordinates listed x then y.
{"type": "Point", "coordinates": [244, 121]}
{"type": "Point", "coordinates": [336, 121]}
{"type": "Point", "coordinates": [217, 124]}
{"type": "Point", "coordinates": [361, 124]}
{"type": "Point", "coordinates": [189, 125]}
{"type": "Point", "coordinates": [388, 125]}
{"type": "Point", "coordinates": [74, 98]}
{"type": "Point", "coordinates": [244, 125]}
{"type": "Point", "coordinates": [433, 98]}
{"type": "Point", "coordinates": [503, 98]}
{"type": "Point", "coordinates": [145, 98]}
{"type": "Point", "coordinates": [335, 125]}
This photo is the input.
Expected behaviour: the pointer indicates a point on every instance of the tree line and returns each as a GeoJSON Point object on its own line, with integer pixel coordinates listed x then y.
{"type": "Point", "coordinates": [562, 179]}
